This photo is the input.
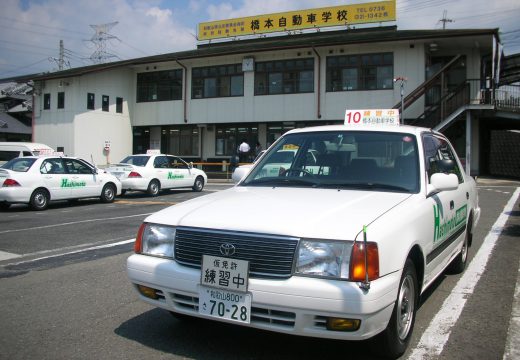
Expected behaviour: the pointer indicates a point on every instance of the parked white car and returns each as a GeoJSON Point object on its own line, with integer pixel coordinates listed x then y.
{"type": "Point", "coordinates": [342, 252]}
{"type": "Point", "coordinates": [38, 180]}
{"type": "Point", "coordinates": [152, 173]}
{"type": "Point", "coordinates": [12, 149]}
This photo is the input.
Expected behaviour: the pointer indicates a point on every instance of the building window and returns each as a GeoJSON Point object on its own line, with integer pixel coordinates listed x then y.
{"type": "Point", "coordinates": [180, 140]}
{"type": "Point", "coordinates": [91, 101]}
{"type": "Point", "coordinates": [46, 101]}
{"type": "Point", "coordinates": [360, 72]}
{"type": "Point", "coordinates": [119, 105]}
{"type": "Point", "coordinates": [217, 81]}
{"type": "Point", "coordinates": [159, 86]}
{"type": "Point", "coordinates": [61, 100]}
{"type": "Point", "coordinates": [105, 100]}
{"type": "Point", "coordinates": [229, 137]}
{"type": "Point", "coordinates": [284, 77]}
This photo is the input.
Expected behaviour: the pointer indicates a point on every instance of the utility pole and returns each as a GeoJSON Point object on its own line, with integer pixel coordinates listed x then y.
{"type": "Point", "coordinates": [61, 60]}
{"type": "Point", "coordinates": [444, 20]}
{"type": "Point", "coordinates": [99, 39]}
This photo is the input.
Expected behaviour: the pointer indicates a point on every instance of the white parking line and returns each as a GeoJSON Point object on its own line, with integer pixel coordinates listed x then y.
{"type": "Point", "coordinates": [72, 223]}
{"type": "Point", "coordinates": [6, 256]}
{"type": "Point", "coordinates": [438, 332]}
{"type": "Point", "coordinates": [512, 350]}
{"type": "Point", "coordinates": [76, 251]}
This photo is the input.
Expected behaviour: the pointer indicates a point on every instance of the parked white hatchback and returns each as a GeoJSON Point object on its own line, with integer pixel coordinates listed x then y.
{"type": "Point", "coordinates": [154, 172]}
{"type": "Point", "coordinates": [339, 245]}
{"type": "Point", "coordinates": [38, 180]}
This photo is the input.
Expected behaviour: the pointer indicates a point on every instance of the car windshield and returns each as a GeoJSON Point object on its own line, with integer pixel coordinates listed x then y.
{"type": "Point", "coordinates": [382, 161]}
{"type": "Point", "coordinates": [19, 164]}
{"type": "Point", "coordinates": [136, 160]}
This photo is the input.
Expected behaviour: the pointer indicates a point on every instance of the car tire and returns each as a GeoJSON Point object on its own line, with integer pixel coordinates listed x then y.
{"type": "Point", "coordinates": [4, 206]}
{"type": "Point", "coordinates": [395, 338]}
{"type": "Point", "coordinates": [458, 265]}
{"type": "Point", "coordinates": [153, 188]}
{"type": "Point", "coordinates": [39, 199]}
{"type": "Point", "coordinates": [198, 185]}
{"type": "Point", "coordinates": [108, 193]}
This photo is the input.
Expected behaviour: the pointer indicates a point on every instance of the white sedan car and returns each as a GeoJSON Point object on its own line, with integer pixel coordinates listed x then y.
{"type": "Point", "coordinates": [338, 245]}
{"type": "Point", "coordinates": [151, 173]}
{"type": "Point", "coordinates": [38, 180]}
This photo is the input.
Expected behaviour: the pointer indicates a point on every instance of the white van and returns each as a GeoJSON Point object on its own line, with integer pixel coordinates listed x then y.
{"type": "Point", "coordinates": [11, 150]}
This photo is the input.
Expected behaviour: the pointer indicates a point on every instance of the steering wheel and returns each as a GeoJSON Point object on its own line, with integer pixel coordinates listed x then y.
{"type": "Point", "coordinates": [303, 171]}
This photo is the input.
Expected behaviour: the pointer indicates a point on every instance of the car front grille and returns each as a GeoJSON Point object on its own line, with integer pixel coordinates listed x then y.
{"type": "Point", "coordinates": [259, 316]}
{"type": "Point", "coordinates": [269, 256]}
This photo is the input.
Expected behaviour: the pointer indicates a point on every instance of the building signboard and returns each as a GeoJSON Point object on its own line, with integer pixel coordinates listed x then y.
{"type": "Point", "coordinates": [373, 12]}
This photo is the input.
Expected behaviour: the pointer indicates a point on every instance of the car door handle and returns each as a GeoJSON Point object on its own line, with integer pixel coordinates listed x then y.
{"type": "Point", "coordinates": [452, 205]}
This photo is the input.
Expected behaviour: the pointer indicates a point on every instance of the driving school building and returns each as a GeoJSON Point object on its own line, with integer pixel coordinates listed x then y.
{"type": "Point", "coordinates": [200, 104]}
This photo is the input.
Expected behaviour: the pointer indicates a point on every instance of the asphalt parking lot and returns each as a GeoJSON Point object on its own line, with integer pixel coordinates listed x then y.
{"type": "Point", "coordinates": [66, 294]}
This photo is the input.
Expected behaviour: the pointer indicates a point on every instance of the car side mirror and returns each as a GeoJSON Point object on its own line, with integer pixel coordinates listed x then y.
{"type": "Point", "coordinates": [442, 182]}
{"type": "Point", "coordinates": [240, 172]}
{"type": "Point", "coordinates": [190, 165]}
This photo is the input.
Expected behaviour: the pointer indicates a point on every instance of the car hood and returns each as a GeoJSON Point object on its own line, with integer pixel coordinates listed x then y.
{"type": "Point", "coordinates": [300, 212]}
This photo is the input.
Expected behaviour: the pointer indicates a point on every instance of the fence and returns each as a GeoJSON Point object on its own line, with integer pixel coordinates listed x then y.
{"type": "Point", "coordinates": [216, 170]}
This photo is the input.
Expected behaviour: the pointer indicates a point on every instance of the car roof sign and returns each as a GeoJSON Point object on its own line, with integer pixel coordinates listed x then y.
{"type": "Point", "coordinates": [372, 117]}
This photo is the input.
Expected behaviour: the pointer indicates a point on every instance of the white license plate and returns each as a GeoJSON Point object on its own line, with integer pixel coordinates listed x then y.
{"type": "Point", "coordinates": [224, 273]}
{"type": "Point", "coordinates": [224, 304]}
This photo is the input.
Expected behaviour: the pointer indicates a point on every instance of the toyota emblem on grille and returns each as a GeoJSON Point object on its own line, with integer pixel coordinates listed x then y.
{"type": "Point", "coordinates": [227, 249]}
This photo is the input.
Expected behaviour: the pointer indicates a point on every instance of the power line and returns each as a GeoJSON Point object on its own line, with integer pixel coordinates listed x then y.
{"type": "Point", "coordinates": [43, 26]}
{"type": "Point", "coordinates": [23, 67]}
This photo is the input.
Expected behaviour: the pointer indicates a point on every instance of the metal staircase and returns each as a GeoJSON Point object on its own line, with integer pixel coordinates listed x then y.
{"type": "Point", "coordinates": [451, 103]}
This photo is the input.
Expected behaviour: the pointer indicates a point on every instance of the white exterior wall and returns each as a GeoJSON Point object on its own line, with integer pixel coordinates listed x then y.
{"type": "Point", "coordinates": [83, 132]}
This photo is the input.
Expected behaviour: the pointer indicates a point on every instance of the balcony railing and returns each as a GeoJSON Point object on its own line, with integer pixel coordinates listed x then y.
{"type": "Point", "coordinates": [507, 98]}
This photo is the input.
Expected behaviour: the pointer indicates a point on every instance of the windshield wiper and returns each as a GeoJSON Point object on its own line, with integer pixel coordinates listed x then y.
{"type": "Point", "coordinates": [366, 185]}
{"type": "Point", "coordinates": [281, 181]}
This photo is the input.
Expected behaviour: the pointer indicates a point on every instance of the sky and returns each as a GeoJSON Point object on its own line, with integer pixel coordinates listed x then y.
{"type": "Point", "coordinates": [30, 30]}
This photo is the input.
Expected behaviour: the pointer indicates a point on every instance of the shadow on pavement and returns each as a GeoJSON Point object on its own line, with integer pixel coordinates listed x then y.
{"type": "Point", "coordinates": [203, 339]}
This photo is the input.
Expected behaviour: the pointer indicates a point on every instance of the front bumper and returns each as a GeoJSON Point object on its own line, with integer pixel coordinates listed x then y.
{"type": "Point", "coordinates": [298, 305]}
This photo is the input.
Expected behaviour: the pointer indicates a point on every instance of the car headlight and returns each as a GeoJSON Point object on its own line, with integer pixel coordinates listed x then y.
{"type": "Point", "coordinates": [156, 240]}
{"type": "Point", "coordinates": [323, 258]}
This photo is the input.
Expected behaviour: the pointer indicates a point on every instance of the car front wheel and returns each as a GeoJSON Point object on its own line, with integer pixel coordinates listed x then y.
{"type": "Point", "coordinates": [199, 184]}
{"type": "Point", "coordinates": [395, 338]}
{"type": "Point", "coordinates": [108, 193]}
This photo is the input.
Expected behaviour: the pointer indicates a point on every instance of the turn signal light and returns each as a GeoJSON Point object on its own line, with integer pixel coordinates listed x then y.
{"type": "Point", "coordinates": [339, 324]}
{"type": "Point", "coordinates": [357, 262]}
{"type": "Point", "coordinates": [138, 245]}
{"type": "Point", "coordinates": [134, 174]}
{"type": "Point", "coordinates": [10, 182]}
{"type": "Point", "coordinates": [148, 292]}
